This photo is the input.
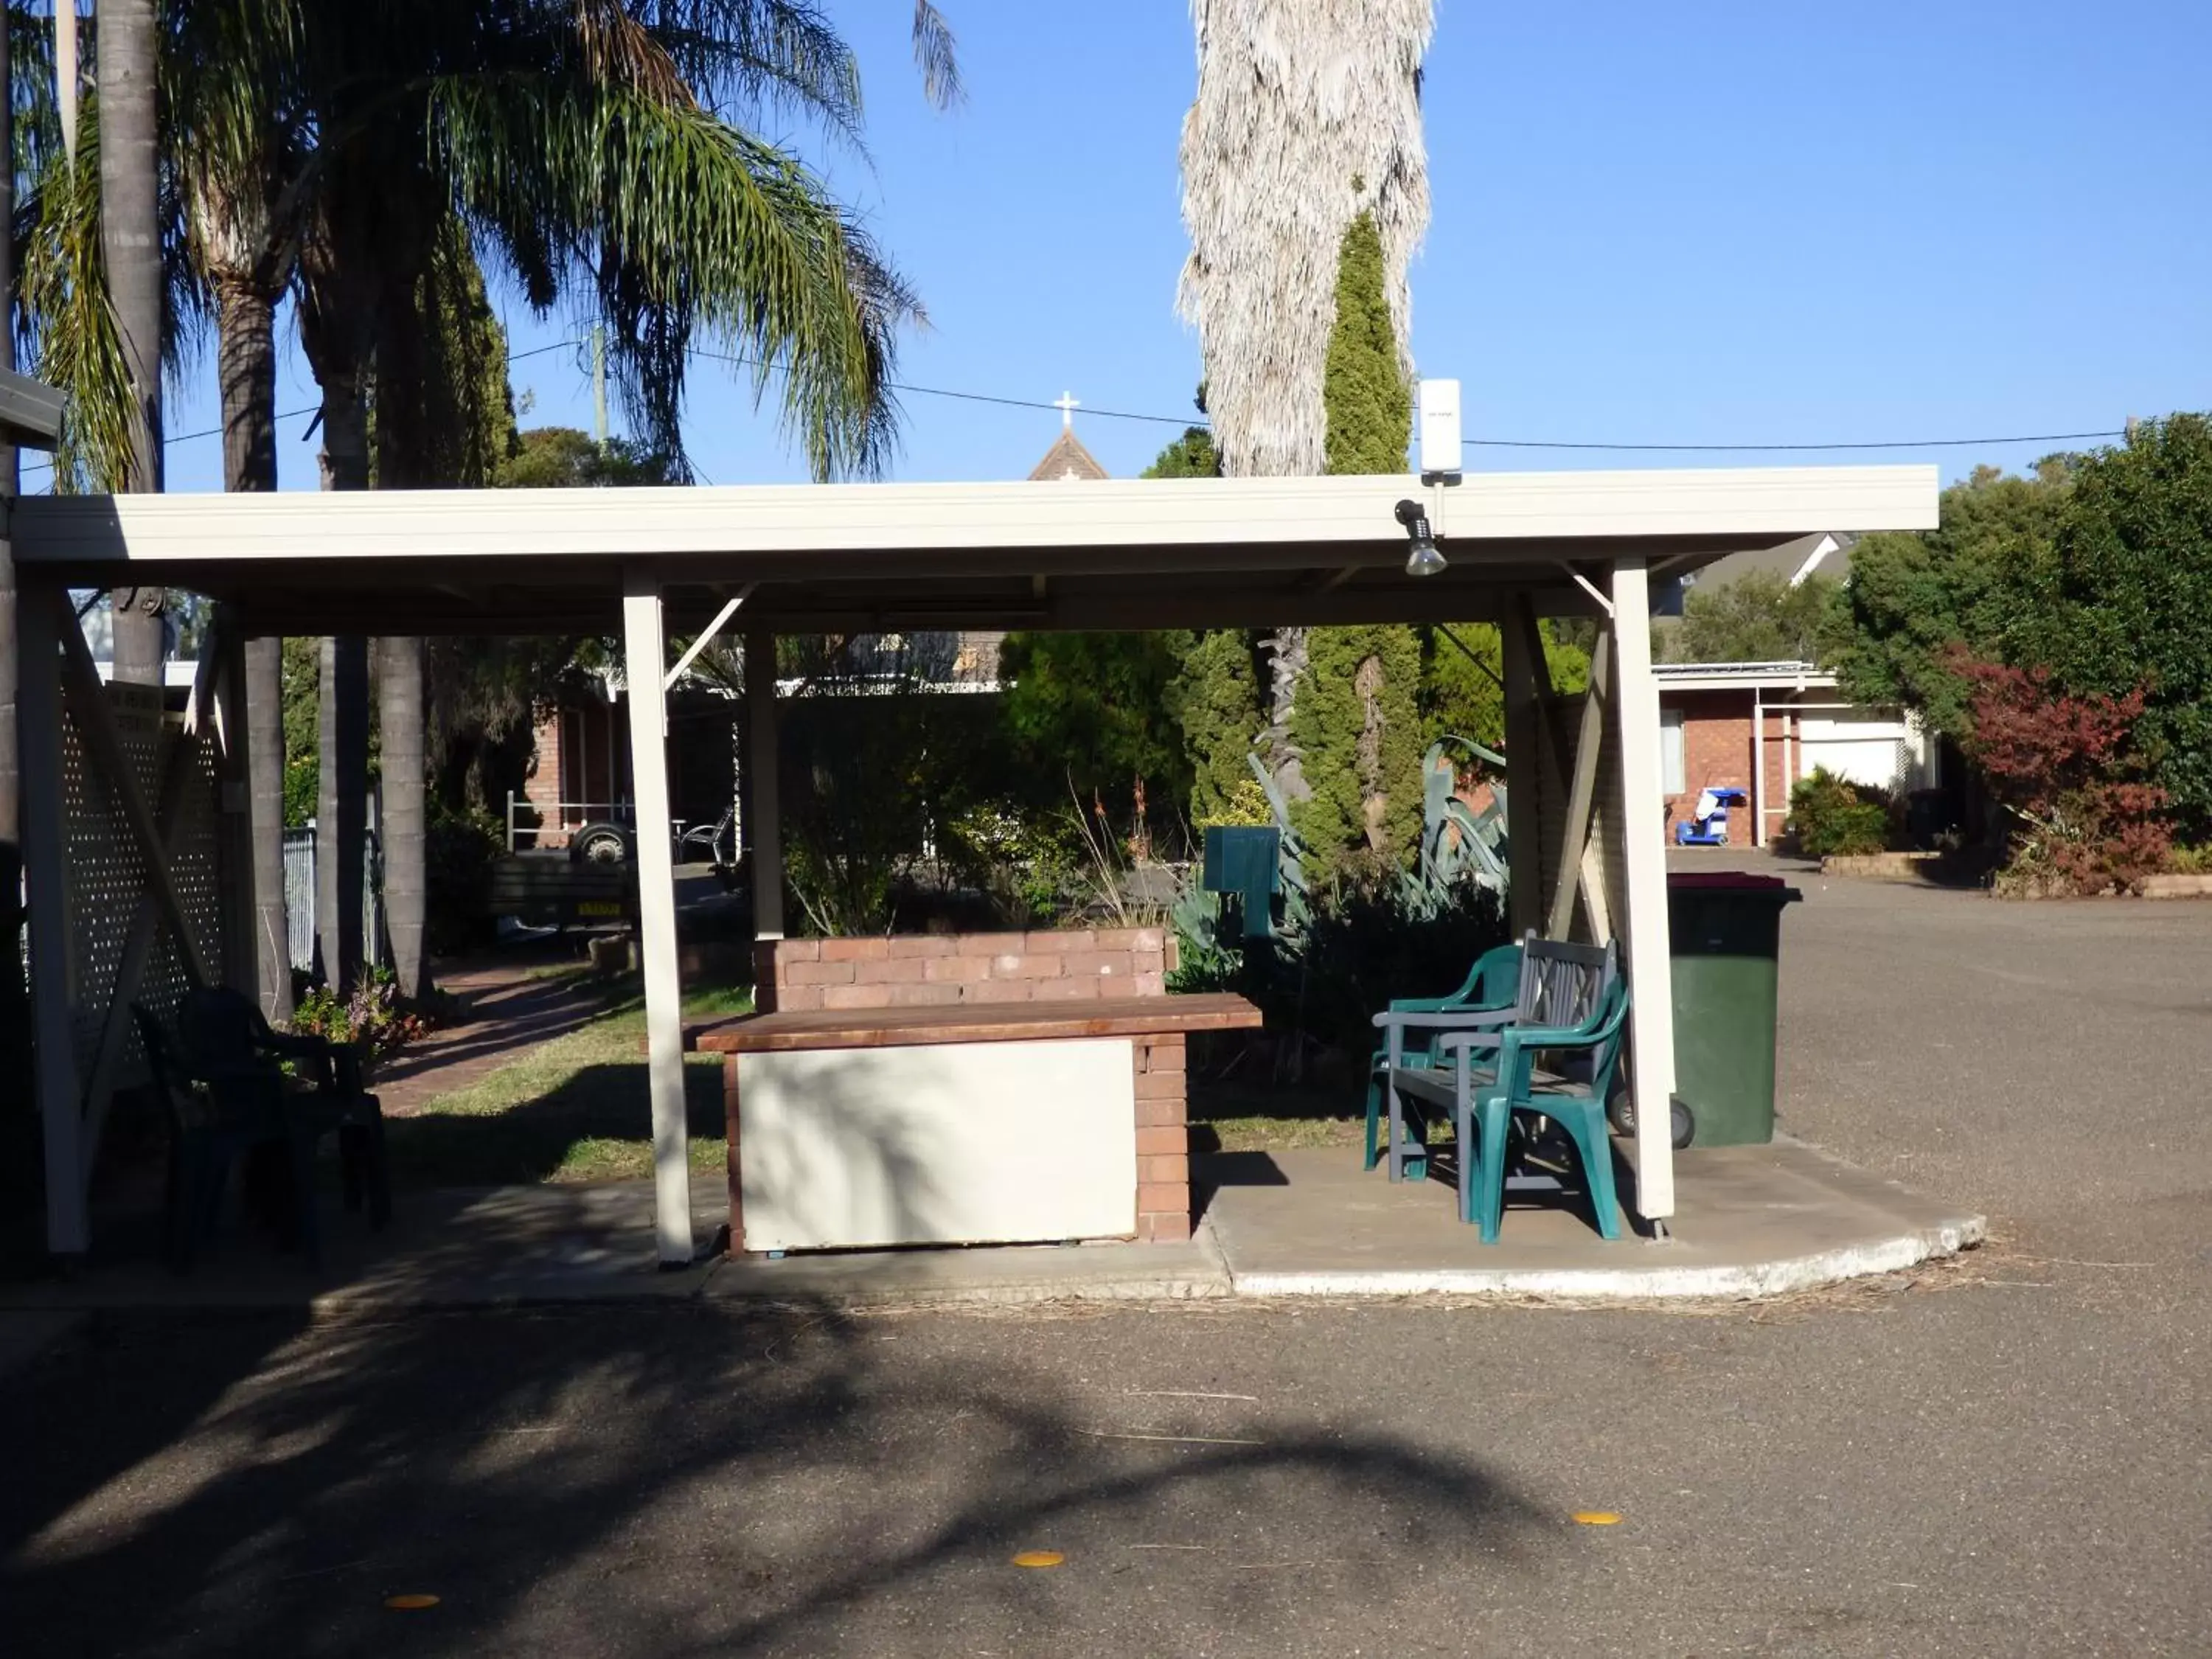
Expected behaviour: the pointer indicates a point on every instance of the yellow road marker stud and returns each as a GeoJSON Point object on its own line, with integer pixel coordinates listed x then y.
{"type": "Point", "coordinates": [1596, 1518]}
{"type": "Point", "coordinates": [409, 1603]}
{"type": "Point", "coordinates": [1039, 1559]}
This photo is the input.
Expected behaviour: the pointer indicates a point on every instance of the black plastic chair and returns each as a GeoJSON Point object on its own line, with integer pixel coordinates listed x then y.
{"type": "Point", "coordinates": [208, 1133]}
{"type": "Point", "coordinates": [240, 1054]}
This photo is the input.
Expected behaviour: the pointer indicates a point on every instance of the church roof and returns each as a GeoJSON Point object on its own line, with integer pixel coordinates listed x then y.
{"type": "Point", "coordinates": [1068, 458]}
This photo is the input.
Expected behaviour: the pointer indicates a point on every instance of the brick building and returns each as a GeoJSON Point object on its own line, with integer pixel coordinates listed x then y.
{"type": "Point", "coordinates": [1760, 727]}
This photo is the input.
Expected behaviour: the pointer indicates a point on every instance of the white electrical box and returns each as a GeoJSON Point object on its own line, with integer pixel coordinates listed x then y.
{"type": "Point", "coordinates": [1440, 433]}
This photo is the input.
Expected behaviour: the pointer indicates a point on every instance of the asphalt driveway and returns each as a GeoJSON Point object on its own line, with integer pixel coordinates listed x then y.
{"type": "Point", "coordinates": [2010, 1454]}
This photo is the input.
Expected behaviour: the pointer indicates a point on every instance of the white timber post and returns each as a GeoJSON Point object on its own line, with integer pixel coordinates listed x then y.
{"type": "Point", "coordinates": [1643, 830]}
{"type": "Point", "coordinates": [1582, 802]}
{"type": "Point", "coordinates": [41, 612]}
{"type": "Point", "coordinates": [1757, 770]}
{"type": "Point", "coordinates": [763, 804]}
{"type": "Point", "coordinates": [643, 654]}
{"type": "Point", "coordinates": [1524, 822]}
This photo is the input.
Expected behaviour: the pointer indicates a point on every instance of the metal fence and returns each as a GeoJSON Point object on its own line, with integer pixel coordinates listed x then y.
{"type": "Point", "coordinates": [300, 900]}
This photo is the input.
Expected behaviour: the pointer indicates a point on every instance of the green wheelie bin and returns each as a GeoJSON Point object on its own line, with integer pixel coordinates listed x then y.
{"type": "Point", "coordinates": [1726, 931]}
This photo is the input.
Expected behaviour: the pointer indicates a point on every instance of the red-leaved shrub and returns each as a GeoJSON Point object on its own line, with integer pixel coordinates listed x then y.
{"type": "Point", "coordinates": [2064, 766]}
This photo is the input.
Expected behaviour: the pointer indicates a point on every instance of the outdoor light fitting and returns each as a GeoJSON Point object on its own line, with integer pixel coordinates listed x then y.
{"type": "Point", "coordinates": [1422, 560]}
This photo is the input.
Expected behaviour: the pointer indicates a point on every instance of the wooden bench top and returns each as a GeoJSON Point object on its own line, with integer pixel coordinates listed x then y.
{"type": "Point", "coordinates": [972, 1021]}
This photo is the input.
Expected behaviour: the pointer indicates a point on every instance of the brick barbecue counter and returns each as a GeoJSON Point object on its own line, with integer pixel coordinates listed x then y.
{"type": "Point", "coordinates": [1156, 1026]}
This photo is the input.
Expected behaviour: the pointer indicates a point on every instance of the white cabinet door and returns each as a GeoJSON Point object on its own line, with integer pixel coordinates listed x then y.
{"type": "Point", "coordinates": [937, 1144]}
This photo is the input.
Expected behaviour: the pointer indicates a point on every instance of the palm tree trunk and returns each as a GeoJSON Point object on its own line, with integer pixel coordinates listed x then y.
{"type": "Point", "coordinates": [265, 725]}
{"type": "Point", "coordinates": [400, 709]}
{"type": "Point", "coordinates": [403, 460]}
{"type": "Point", "coordinates": [15, 1025]}
{"type": "Point", "coordinates": [333, 334]}
{"type": "Point", "coordinates": [131, 247]}
{"type": "Point", "coordinates": [341, 811]}
{"type": "Point", "coordinates": [245, 363]}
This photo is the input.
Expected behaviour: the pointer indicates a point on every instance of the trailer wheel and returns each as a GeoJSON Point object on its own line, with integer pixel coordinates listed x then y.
{"type": "Point", "coordinates": [600, 843]}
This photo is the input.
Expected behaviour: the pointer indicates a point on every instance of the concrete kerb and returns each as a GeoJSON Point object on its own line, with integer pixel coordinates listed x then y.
{"type": "Point", "coordinates": [1585, 1286]}
{"type": "Point", "coordinates": [1010, 1276]}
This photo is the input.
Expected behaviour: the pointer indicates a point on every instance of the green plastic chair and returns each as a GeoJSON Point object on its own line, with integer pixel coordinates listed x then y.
{"type": "Point", "coordinates": [1486, 1109]}
{"type": "Point", "coordinates": [1491, 986]}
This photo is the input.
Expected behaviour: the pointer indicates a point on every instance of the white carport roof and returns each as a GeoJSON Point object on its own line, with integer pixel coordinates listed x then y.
{"type": "Point", "coordinates": [1115, 554]}
{"type": "Point", "coordinates": [1105, 555]}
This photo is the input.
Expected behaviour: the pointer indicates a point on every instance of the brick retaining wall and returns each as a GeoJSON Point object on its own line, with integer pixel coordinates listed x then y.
{"type": "Point", "coordinates": [920, 970]}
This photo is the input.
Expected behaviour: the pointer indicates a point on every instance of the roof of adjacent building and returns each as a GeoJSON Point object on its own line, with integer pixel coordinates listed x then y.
{"type": "Point", "coordinates": [1823, 553]}
{"type": "Point", "coordinates": [1742, 675]}
{"type": "Point", "coordinates": [1067, 458]}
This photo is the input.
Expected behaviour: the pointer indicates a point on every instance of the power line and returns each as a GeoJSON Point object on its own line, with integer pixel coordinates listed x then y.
{"type": "Point", "coordinates": [969, 396]}
{"type": "Point", "coordinates": [910, 389]}
{"type": "Point", "coordinates": [1483, 443]}
{"type": "Point", "coordinates": [1899, 443]}
{"type": "Point", "coordinates": [294, 414]}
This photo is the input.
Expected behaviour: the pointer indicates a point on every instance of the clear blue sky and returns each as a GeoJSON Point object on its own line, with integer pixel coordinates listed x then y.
{"type": "Point", "coordinates": [1708, 222]}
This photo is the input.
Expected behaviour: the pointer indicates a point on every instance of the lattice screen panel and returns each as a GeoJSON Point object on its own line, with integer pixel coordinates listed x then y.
{"type": "Point", "coordinates": [107, 880]}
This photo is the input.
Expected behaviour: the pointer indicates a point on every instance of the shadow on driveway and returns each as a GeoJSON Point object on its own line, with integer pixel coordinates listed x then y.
{"type": "Point", "coordinates": [668, 1480]}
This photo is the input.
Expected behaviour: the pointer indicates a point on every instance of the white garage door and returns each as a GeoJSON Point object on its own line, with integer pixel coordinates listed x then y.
{"type": "Point", "coordinates": [1868, 750]}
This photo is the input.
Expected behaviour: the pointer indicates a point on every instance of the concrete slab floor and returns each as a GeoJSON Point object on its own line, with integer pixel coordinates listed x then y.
{"type": "Point", "coordinates": [1752, 1221]}
{"type": "Point", "coordinates": [445, 1248]}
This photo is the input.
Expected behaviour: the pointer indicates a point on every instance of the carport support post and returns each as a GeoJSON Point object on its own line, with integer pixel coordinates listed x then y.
{"type": "Point", "coordinates": [41, 612]}
{"type": "Point", "coordinates": [644, 652]}
{"type": "Point", "coordinates": [763, 801]}
{"type": "Point", "coordinates": [1524, 822]}
{"type": "Point", "coordinates": [1642, 831]}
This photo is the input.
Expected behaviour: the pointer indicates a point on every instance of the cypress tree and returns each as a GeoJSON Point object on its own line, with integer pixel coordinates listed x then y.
{"type": "Point", "coordinates": [1215, 693]}
{"type": "Point", "coordinates": [1216, 698]}
{"type": "Point", "coordinates": [1363, 388]}
{"type": "Point", "coordinates": [1356, 720]}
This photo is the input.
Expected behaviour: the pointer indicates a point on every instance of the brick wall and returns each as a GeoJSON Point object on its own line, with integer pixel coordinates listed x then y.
{"type": "Point", "coordinates": [1717, 752]}
{"type": "Point", "coordinates": [1163, 1141]}
{"type": "Point", "coordinates": [542, 789]}
{"type": "Point", "coordinates": [921, 971]}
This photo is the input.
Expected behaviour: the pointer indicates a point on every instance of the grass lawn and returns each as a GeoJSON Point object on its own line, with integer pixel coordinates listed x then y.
{"type": "Point", "coordinates": [572, 1109]}
{"type": "Point", "coordinates": [1229, 1116]}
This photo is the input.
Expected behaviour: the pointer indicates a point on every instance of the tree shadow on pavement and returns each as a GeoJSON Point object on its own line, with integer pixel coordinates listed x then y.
{"type": "Point", "coordinates": [687, 1478]}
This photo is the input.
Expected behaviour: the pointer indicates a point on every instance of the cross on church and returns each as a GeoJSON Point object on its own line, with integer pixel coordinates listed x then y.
{"type": "Point", "coordinates": [1067, 403]}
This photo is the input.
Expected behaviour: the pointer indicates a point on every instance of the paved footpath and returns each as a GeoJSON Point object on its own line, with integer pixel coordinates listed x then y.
{"type": "Point", "coordinates": [508, 1006]}
{"type": "Point", "coordinates": [2010, 1454]}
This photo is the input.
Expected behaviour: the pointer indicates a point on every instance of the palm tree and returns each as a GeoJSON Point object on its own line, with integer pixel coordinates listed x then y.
{"type": "Point", "coordinates": [341, 810]}
{"type": "Point", "coordinates": [124, 45]}
{"type": "Point", "coordinates": [577, 145]}
{"type": "Point", "coordinates": [228, 92]}
{"type": "Point", "coordinates": [581, 146]}
{"type": "Point", "coordinates": [13, 1023]}
{"type": "Point", "coordinates": [1308, 115]}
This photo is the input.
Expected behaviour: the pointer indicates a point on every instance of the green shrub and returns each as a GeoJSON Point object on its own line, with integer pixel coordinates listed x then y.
{"type": "Point", "coordinates": [459, 851]}
{"type": "Point", "coordinates": [2190, 860]}
{"type": "Point", "coordinates": [1368, 941]}
{"type": "Point", "coordinates": [375, 1017]}
{"type": "Point", "coordinates": [1832, 817]}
